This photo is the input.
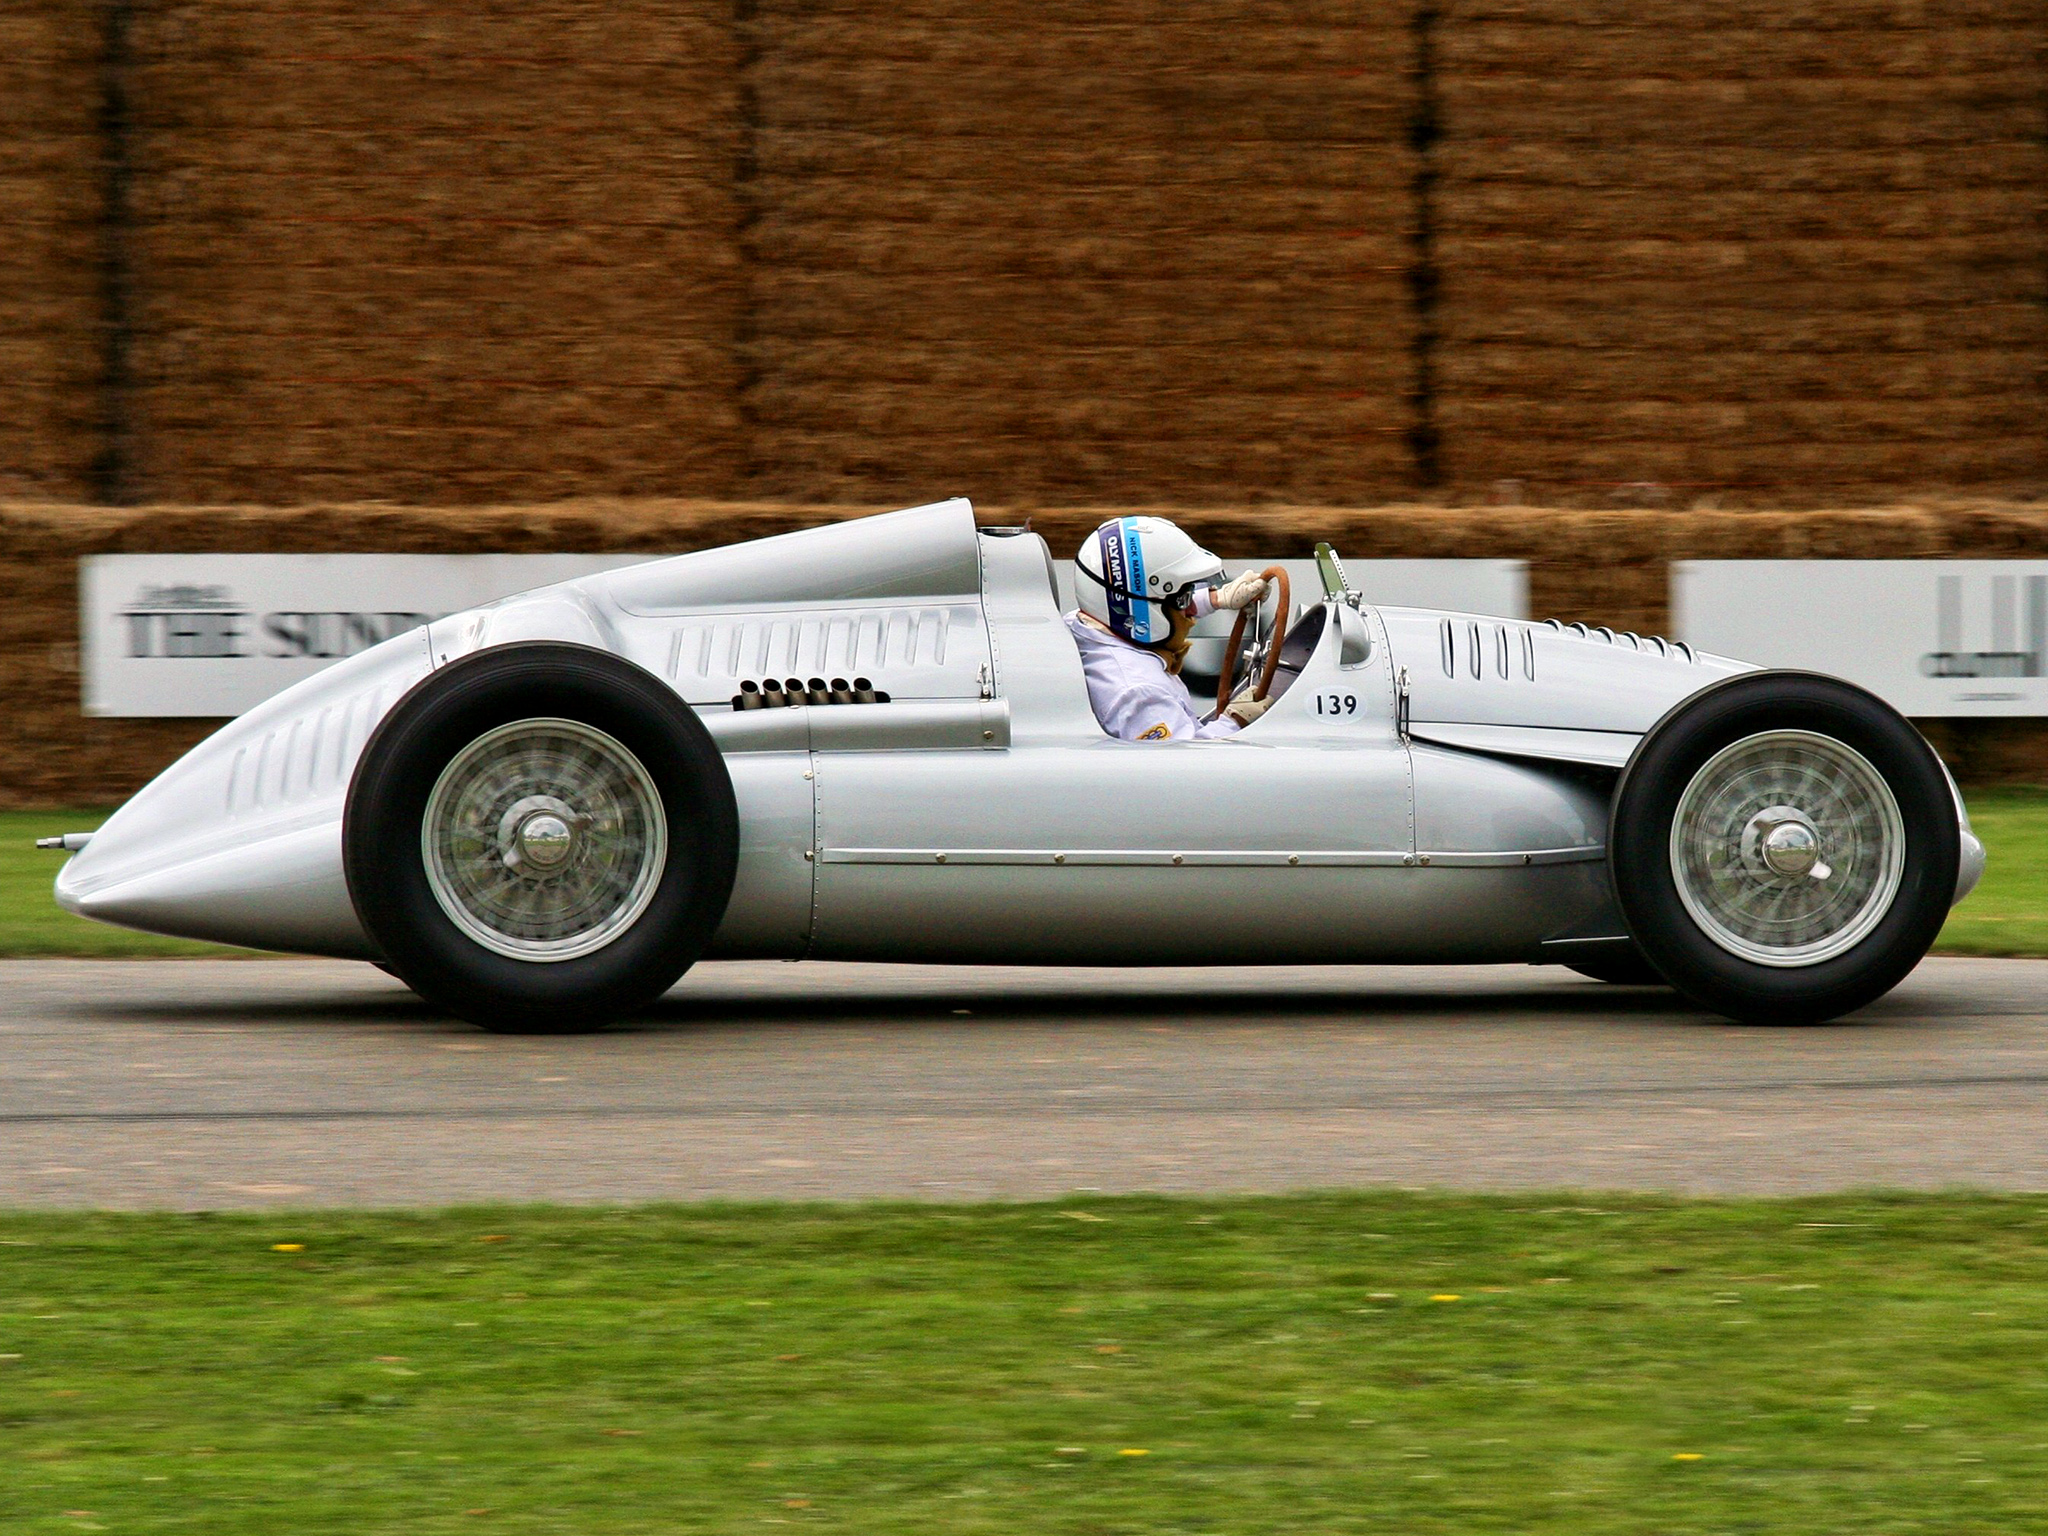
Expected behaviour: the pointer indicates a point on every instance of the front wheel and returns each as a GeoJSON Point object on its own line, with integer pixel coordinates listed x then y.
{"type": "Point", "coordinates": [1784, 847]}
{"type": "Point", "coordinates": [541, 838]}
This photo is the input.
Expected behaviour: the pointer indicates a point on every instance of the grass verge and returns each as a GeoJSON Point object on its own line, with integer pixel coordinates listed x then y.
{"type": "Point", "coordinates": [2008, 912]}
{"type": "Point", "coordinates": [31, 922]}
{"type": "Point", "coordinates": [2008, 915]}
{"type": "Point", "coordinates": [1346, 1362]}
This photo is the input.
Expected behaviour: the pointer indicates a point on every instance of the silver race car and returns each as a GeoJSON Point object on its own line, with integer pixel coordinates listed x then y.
{"type": "Point", "coordinates": [873, 741]}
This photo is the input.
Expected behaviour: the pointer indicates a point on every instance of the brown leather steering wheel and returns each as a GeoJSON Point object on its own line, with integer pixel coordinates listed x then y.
{"type": "Point", "coordinates": [1278, 578]}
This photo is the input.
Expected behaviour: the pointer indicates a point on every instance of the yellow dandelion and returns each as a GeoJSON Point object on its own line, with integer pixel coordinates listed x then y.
{"type": "Point", "coordinates": [1685, 1456]}
{"type": "Point", "coordinates": [1133, 1451]}
{"type": "Point", "coordinates": [287, 1247]}
{"type": "Point", "coordinates": [1446, 1296]}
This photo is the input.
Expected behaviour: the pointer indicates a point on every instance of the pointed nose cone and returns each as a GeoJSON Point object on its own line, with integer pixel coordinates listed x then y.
{"type": "Point", "coordinates": [239, 841]}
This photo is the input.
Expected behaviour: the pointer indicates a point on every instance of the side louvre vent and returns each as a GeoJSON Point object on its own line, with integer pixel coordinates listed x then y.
{"type": "Point", "coordinates": [1476, 649]}
{"type": "Point", "coordinates": [876, 640]}
{"type": "Point", "coordinates": [1644, 643]}
{"type": "Point", "coordinates": [305, 759]}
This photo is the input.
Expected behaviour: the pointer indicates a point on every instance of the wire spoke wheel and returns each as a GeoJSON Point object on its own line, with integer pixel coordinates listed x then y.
{"type": "Point", "coordinates": [544, 839]}
{"type": "Point", "coordinates": [1787, 848]}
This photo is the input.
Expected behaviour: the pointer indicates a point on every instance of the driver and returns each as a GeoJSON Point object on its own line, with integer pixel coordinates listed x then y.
{"type": "Point", "coordinates": [1142, 584]}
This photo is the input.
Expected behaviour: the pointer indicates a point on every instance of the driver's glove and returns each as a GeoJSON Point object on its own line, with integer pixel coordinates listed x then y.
{"type": "Point", "coordinates": [1247, 709]}
{"type": "Point", "coordinates": [1239, 591]}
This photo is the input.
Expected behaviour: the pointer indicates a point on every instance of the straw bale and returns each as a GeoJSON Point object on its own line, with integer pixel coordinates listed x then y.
{"type": "Point", "coordinates": [1741, 375]}
{"type": "Point", "coordinates": [792, 156]}
{"type": "Point", "coordinates": [1998, 218]}
{"type": "Point", "coordinates": [1671, 172]}
{"type": "Point", "coordinates": [977, 38]}
{"type": "Point", "coordinates": [1782, 419]}
{"type": "Point", "coordinates": [1792, 115]}
{"type": "Point", "coordinates": [1164, 363]}
{"type": "Point", "coordinates": [997, 323]}
{"type": "Point", "coordinates": [286, 96]}
{"type": "Point", "coordinates": [50, 196]}
{"type": "Point", "coordinates": [449, 252]}
{"type": "Point", "coordinates": [191, 162]}
{"type": "Point", "coordinates": [1062, 106]}
{"type": "Point", "coordinates": [1020, 319]}
{"type": "Point", "coordinates": [1195, 210]}
{"type": "Point", "coordinates": [374, 242]}
{"type": "Point", "coordinates": [1852, 18]}
{"type": "Point", "coordinates": [1671, 318]}
{"type": "Point", "coordinates": [1134, 257]}
{"type": "Point", "coordinates": [514, 31]}
{"type": "Point", "coordinates": [270, 405]}
{"type": "Point", "coordinates": [1740, 245]}
{"type": "Point", "coordinates": [626, 194]}
{"type": "Point", "coordinates": [1048, 16]}
{"type": "Point", "coordinates": [1477, 292]}
{"type": "Point", "coordinates": [535, 358]}
{"type": "Point", "coordinates": [35, 360]}
{"type": "Point", "coordinates": [1588, 450]}
{"type": "Point", "coordinates": [1553, 51]}
{"type": "Point", "coordinates": [1991, 266]}
{"type": "Point", "coordinates": [1055, 470]}
{"type": "Point", "coordinates": [338, 303]}
{"type": "Point", "coordinates": [1178, 416]}
{"type": "Point", "coordinates": [905, 253]}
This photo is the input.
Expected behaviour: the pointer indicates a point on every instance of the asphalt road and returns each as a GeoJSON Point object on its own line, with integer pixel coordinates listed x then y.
{"type": "Point", "coordinates": [203, 1084]}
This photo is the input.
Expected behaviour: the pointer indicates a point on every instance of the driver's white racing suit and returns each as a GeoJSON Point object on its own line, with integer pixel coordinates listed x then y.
{"type": "Point", "coordinates": [1135, 697]}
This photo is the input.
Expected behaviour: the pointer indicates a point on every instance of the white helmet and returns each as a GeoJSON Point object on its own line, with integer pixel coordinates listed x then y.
{"type": "Point", "coordinates": [1132, 569]}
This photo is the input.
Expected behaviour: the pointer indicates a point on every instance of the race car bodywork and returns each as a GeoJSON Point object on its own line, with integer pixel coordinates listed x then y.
{"type": "Point", "coordinates": [915, 773]}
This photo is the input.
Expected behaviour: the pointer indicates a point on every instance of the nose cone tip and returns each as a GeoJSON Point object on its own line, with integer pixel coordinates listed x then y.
{"type": "Point", "coordinates": [95, 858]}
{"type": "Point", "coordinates": [68, 897]}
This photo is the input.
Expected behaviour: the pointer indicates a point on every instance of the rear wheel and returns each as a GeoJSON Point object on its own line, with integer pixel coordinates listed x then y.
{"type": "Point", "coordinates": [1784, 848]}
{"type": "Point", "coordinates": [541, 838]}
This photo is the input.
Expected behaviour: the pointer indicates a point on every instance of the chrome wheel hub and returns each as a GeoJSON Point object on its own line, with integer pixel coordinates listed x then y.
{"type": "Point", "coordinates": [544, 840]}
{"type": "Point", "coordinates": [1784, 841]}
{"type": "Point", "coordinates": [1787, 848]}
{"type": "Point", "coordinates": [538, 833]}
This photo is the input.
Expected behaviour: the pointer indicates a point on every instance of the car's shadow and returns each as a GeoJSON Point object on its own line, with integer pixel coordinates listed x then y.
{"type": "Point", "coordinates": [716, 1006]}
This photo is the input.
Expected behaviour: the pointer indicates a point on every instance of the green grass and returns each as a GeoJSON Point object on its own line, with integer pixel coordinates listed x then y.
{"type": "Point", "coordinates": [1331, 1363]}
{"type": "Point", "coordinates": [31, 922]}
{"type": "Point", "coordinates": [2008, 915]}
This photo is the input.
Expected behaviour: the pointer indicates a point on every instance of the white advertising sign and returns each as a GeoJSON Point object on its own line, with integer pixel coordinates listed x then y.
{"type": "Point", "coordinates": [1931, 637]}
{"type": "Point", "coordinates": [213, 635]}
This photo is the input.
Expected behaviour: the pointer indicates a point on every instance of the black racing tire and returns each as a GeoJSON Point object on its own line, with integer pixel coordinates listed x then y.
{"type": "Point", "coordinates": [1623, 965]}
{"type": "Point", "coordinates": [1783, 734]}
{"type": "Point", "coordinates": [681, 865]}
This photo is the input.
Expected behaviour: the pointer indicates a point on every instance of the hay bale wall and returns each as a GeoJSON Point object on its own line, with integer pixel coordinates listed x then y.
{"type": "Point", "coordinates": [1081, 252]}
{"type": "Point", "coordinates": [1766, 253]}
{"type": "Point", "coordinates": [50, 195]}
{"type": "Point", "coordinates": [450, 252]}
{"type": "Point", "coordinates": [1575, 251]}
{"type": "Point", "coordinates": [1601, 566]}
